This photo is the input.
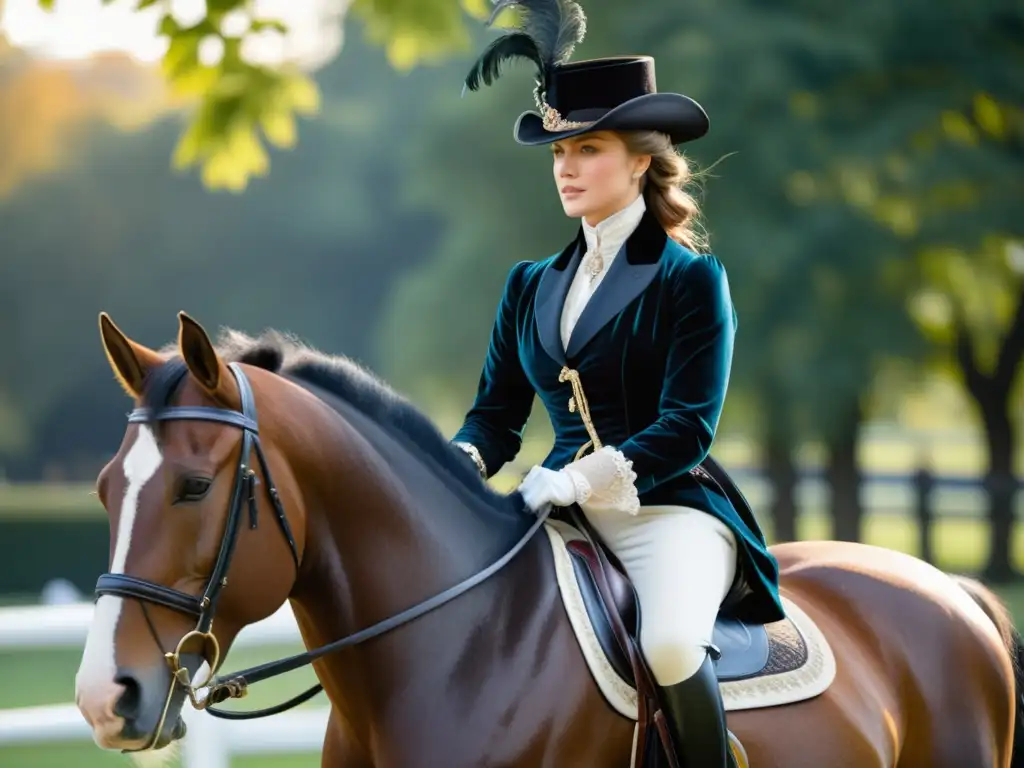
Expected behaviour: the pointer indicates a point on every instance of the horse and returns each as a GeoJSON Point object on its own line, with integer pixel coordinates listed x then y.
{"type": "Point", "coordinates": [449, 627]}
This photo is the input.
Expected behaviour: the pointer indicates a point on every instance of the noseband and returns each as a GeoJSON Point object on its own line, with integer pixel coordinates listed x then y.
{"type": "Point", "coordinates": [204, 606]}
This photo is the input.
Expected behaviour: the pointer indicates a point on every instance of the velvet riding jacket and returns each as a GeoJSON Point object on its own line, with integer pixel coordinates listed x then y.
{"type": "Point", "coordinates": [653, 350]}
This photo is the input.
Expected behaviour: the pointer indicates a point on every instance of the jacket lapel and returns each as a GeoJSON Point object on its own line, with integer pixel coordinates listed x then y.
{"type": "Point", "coordinates": [551, 293]}
{"type": "Point", "coordinates": [630, 273]}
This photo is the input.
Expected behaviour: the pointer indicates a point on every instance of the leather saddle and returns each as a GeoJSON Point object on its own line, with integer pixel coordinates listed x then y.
{"type": "Point", "coordinates": [740, 650]}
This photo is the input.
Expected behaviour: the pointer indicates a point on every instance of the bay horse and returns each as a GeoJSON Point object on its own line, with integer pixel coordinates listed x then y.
{"type": "Point", "coordinates": [457, 632]}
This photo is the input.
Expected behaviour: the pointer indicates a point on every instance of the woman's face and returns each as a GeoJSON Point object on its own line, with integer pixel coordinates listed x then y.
{"type": "Point", "coordinates": [596, 175]}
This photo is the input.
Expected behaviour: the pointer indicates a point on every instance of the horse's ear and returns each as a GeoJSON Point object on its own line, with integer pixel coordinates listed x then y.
{"type": "Point", "coordinates": [129, 360]}
{"type": "Point", "coordinates": [203, 362]}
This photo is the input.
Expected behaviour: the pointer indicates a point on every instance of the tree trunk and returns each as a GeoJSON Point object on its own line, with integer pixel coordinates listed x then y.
{"type": "Point", "coordinates": [844, 477]}
{"type": "Point", "coordinates": [991, 393]}
{"type": "Point", "coordinates": [1000, 484]}
{"type": "Point", "coordinates": [781, 472]}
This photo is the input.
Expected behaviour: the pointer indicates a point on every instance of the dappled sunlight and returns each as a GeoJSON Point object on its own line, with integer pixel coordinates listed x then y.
{"type": "Point", "coordinates": [80, 29]}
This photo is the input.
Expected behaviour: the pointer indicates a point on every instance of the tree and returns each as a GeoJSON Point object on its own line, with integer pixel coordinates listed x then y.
{"type": "Point", "coordinates": [900, 122]}
{"type": "Point", "coordinates": [992, 390]}
{"type": "Point", "coordinates": [972, 306]}
{"type": "Point", "coordinates": [939, 160]}
{"type": "Point", "coordinates": [212, 60]}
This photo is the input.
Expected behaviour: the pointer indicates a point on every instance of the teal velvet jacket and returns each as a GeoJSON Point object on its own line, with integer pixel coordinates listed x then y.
{"type": "Point", "coordinates": [653, 348]}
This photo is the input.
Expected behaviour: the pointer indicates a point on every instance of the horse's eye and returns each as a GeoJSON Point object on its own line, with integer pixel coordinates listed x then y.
{"type": "Point", "coordinates": [192, 489]}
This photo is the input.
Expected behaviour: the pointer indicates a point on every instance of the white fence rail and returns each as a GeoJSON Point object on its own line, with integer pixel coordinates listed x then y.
{"type": "Point", "coordinates": [210, 742]}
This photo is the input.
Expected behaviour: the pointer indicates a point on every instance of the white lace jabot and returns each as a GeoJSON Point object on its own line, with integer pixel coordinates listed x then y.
{"type": "Point", "coordinates": [603, 241]}
{"type": "Point", "coordinates": [609, 235]}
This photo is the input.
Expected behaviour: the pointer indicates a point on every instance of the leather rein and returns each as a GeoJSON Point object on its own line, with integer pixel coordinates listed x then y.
{"type": "Point", "coordinates": [203, 607]}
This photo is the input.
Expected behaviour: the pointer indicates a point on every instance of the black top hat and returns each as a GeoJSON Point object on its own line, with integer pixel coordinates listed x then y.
{"type": "Point", "coordinates": [614, 93]}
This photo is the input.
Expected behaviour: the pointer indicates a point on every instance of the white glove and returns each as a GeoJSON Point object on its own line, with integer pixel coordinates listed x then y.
{"type": "Point", "coordinates": [545, 486]}
{"type": "Point", "coordinates": [603, 481]}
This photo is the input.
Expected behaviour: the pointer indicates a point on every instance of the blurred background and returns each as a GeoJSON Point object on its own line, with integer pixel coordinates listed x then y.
{"type": "Point", "coordinates": [314, 167]}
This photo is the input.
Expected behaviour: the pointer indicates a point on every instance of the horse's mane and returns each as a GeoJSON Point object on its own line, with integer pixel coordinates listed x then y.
{"type": "Point", "coordinates": [356, 385]}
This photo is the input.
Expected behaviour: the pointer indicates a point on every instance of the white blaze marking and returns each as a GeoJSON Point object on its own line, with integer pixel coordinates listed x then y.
{"type": "Point", "coordinates": [95, 679]}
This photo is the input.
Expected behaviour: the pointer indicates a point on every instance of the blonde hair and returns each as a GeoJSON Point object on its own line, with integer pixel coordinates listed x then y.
{"type": "Point", "coordinates": [663, 187]}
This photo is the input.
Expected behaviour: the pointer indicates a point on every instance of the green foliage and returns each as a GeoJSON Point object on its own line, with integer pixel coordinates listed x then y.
{"type": "Point", "coordinates": [239, 104]}
{"type": "Point", "coordinates": [948, 184]}
{"type": "Point", "coordinates": [981, 285]}
{"type": "Point", "coordinates": [235, 100]}
{"type": "Point", "coordinates": [896, 144]}
{"type": "Point", "coordinates": [416, 32]}
{"type": "Point", "coordinates": [223, 134]}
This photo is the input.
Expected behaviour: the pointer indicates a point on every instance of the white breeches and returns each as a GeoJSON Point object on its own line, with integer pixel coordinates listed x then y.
{"type": "Point", "coordinates": [682, 562]}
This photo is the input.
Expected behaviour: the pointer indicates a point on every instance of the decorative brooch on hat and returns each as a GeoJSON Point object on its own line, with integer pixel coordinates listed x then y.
{"type": "Point", "coordinates": [547, 34]}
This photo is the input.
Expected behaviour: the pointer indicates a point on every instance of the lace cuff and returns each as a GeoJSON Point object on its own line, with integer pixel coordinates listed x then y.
{"type": "Point", "coordinates": [474, 454]}
{"type": "Point", "coordinates": [581, 484]}
{"type": "Point", "coordinates": [605, 480]}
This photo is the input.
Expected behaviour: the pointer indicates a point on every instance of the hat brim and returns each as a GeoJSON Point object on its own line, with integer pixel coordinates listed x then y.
{"type": "Point", "coordinates": [682, 118]}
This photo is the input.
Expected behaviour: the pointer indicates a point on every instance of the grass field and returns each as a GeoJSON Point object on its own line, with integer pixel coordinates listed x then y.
{"type": "Point", "coordinates": [47, 677]}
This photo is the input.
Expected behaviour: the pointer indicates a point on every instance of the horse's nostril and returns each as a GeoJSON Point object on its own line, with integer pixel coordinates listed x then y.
{"type": "Point", "coordinates": [128, 705]}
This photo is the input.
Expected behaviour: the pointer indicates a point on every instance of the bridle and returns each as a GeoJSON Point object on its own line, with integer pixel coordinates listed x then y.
{"type": "Point", "coordinates": [204, 606]}
{"type": "Point", "coordinates": [243, 496]}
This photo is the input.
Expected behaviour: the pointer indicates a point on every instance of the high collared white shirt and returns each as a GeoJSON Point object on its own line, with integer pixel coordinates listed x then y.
{"type": "Point", "coordinates": [605, 239]}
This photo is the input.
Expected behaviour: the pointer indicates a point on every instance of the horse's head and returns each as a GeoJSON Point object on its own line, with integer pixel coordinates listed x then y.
{"type": "Point", "coordinates": [183, 494]}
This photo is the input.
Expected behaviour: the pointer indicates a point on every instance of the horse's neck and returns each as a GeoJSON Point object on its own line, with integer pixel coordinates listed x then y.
{"type": "Point", "coordinates": [384, 534]}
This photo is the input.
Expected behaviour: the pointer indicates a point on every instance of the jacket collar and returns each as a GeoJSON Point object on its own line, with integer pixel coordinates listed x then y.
{"type": "Point", "coordinates": [626, 279]}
